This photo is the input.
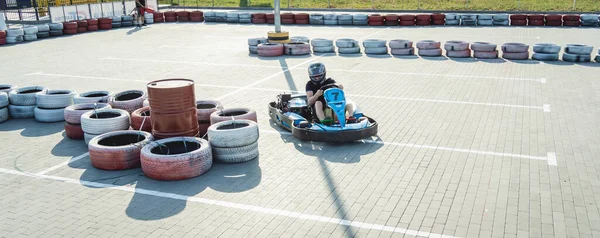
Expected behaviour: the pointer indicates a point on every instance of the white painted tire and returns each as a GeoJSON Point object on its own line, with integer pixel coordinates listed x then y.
{"type": "Point", "coordinates": [4, 114]}
{"type": "Point", "coordinates": [296, 48]}
{"type": "Point", "coordinates": [234, 133]}
{"type": "Point", "coordinates": [484, 17]}
{"type": "Point", "coordinates": [330, 16]}
{"type": "Point", "coordinates": [149, 20]}
{"type": "Point", "coordinates": [351, 50]}
{"type": "Point", "coordinates": [545, 56]}
{"type": "Point", "coordinates": [43, 28]}
{"type": "Point", "coordinates": [501, 23]}
{"type": "Point", "coordinates": [91, 97]}
{"type": "Point", "coordinates": [118, 150]}
{"type": "Point", "coordinates": [483, 46]}
{"type": "Point", "coordinates": [401, 44]}
{"type": "Point", "coordinates": [232, 15]}
{"type": "Point", "coordinates": [515, 48]}
{"type": "Point", "coordinates": [458, 53]}
{"type": "Point", "coordinates": [430, 52]}
{"type": "Point", "coordinates": [597, 59]}
{"type": "Point", "coordinates": [73, 113]}
{"type": "Point", "coordinates": [30, 30]}
{"type": "Point", "coordinates": [14, 39]}
{"type": "Point", "coordinates": [110, 120]}
{"type": "Point", "coordinates": [360, 17]}
{"type": "Point", "coordinates": [330, 22]}
{"type": "Point", "coordinates": [500, 17]}
{"type": "Point", "coordinates": [468, 17]}
{"type": "Point", "coordinates": [210, 14]}
{"type": "Point", "coordinates": [3, 99]}
{"type": "Point", "coordinates": [515, 55]}
{"type": "Point", "coordinates": [324, 49]}
{"type": "Point", "coordinates": [589, 17]}
{"type": "Point", "coordinates": [579, 49]}
{"type": "Point", "coordinates": [30, 37]}
{"type": "Point", "coordinates": [49, 115]}
{"type": "Point", "coordinates": [403, 52]}
{"type": "Point", "coordinates": [257, 41]}
{"type": "Point", "coordinates": [485, 22]}
{"type": "Point", "coordinates": [546, 48]}
{"type": "Point", "coordinates": [320, 42]}
{"type": "Point", "coordinates": [428, 45]}
{"type": "Point", "coordinates": [376, 50]}
{"type": "Point", "coordinates": [302, 39]}
{"type": "Point", "coordinates": [485, 54]}
{"type": "Point", "coordinates": [7, 88]}
{"type": "Point", "coordinates": [244, 15]}
{"type": "Point", "coordinates": [374, 43]}
{"type": "Point", "coordinates": [124, 101]}
{"type": "Point", "coordinates": [237, 154]}
{"type": "Point", "coordinates": [17, 97]}
{"type": "Point", "coordinates": [55, 26]}
{"type": "Point", "coordinates": [253, 49]}
{"type": "Point", "coordinates": [14, 32]}
{"type": "Point", "coordinates": [116, 19]}
{"type": "Point", "coordinates": [456, 45]}
{"type": "Point", "coordinates": [178, 166]}
{"type": "Point", "coordinates": [345, 17]}
{"type": "Point", "coordinates": [452, 16]}
{"type": "Point", "coordinates": [50, 99]}
{"type": "Point", "coordinates": [452, 22]}
{"type": "Point", "coordinates": [346, 43]}
{"type": "Point", "coordinates": [21, 112]}
{"type": "Point", "coordinates": [576, 57]}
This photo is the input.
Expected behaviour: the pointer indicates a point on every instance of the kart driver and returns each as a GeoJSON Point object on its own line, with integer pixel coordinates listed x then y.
{"type": "Point", "coordinates": [316, 73]}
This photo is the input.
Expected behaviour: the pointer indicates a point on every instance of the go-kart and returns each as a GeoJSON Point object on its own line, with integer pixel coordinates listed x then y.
{"type": "Point", "coordinates": [291, 112]}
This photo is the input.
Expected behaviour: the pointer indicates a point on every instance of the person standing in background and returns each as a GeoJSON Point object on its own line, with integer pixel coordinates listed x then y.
{"type": "Point", "coordinates": [140, 6]}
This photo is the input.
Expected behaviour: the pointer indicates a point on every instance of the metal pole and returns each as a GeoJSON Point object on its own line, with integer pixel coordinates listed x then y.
{"type": "Point", "coordinates": [277, 16]}
{"type": "Point", "coordinates": [328, 3]}
{"type": "Point", "coordinates": [574, 4]}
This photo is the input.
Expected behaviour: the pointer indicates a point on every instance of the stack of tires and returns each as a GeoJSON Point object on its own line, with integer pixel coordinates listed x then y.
{"type": "Point", "coordinates": [81, 26]}
{"type": "Point", "coordinates": [245, 18]}
{"type": "Point", "coordinates": [347, 46]}
{"type": "Point", "coordinates": [141, 119]}
{"type": "Point", "coordinates": [72, 117]}
{"type": "Point", "coordinates": [577, 53]}
{"type": "Point", "coordinates": [204, 108]}
{"type": "Point", "coordinates": [406, 20]}
{"type": "Point", "coordinates": [184, 16]}
{"type": "Point", "coordinates": [438, 19]}
{"type": "Point", "coordinates": [545, 52]}
{"type": "Point", "coordinates": [51, 105]}
{"type": "Point", "coordinates": [253, 44]}
{"type": "Point", "coordinates": [14, 36]}
{"type": "Point", "coordinates": [553, 20]}
{"type": "Point", "coordinates": [391, 19]}
{"type": "Point", "coordinates": [210, 16]}
{"type": "Point", "coordinates": [149, 18]}
{"type": "Point", "coordinates": [270, 49]}
{"type": "Point", "coordinates": [518, 20]}
{"type": "Point", "coordinates": [129, 100]}
{"type": "Point", "coordinates": [30, 33]}
{"type": "Point", "coordinates": [193, 158]}
{"type": "Point", "coordinates": [92, 25]}
{"type": "Point", "coordinates": [452, 19]}
{"type": "Point", "coordinates": [170, 16]}
{"type": "Point", "coordinates": [402, 47]}
{"type": "Point", "coordinates": [500, 20]}
{"type": "Point", "coordinates": [158, 17]}
{"type": "Point", "coordinates": [320, 45]}
{"type": "Point", "coordinates": [221, 16]}
{"type": "Point", "coordinates": [485, 20]}
{"type": "Point", "coordinates": [345, 19]}
{"type": "Point", "coordinates": [116, 22]}
{"type": "Point", "coordinates": [360, 20]}
{"type": "Point", "coordinates": [301, 18]}
{"type": "Point", "coordinates": [103, 24]}
{"type": "Point", "coordinates": [43, 31]}
{"type": "Point", "coordinates": [70, 28]}
{"type": "Point", "coordinates": [259, 18]}
{"type": "Point", "coordinates": [233, 17]}
{"type": "Point", "coordinates": [234, 141]}
{"type": "Point", "coordinates": [535, 19]}
{"type": "Point", "coordinates": [423, 19]}
{"type": "Point", "coordinates": [98, 122]}
{"type": "Point", "coordinates": [375, 20]}
{"type": "Point", "coordinates": [23, 101]}
{"type": "Point", "coordinates": [571, 20]}
{"type": "Point", "coordinates": [515, 51]}
{"type": "Point", "coordinates": [270, 18]}
{"type": "Point", "coordinates": [3, 106]}
{"type": "Point", "coordinates": [457, 49]}
{"type": "Point", "coordinates": [2, 37]}
{"type": "Point", "coordinates": [118, 150]}
{"type": "Point", "coordinates": [287, 18]}
{"type": "Point", "coordinates": [126, 21]}
{"type": "Point", "coordinates": [330, 19]}
{"type": "Point", "coordinates": [468, 19]}
{"type": "Point", "coordinates": [375, 46]}
{"type": "Point", "coordinates": [316, 19]}
{"type": "Point", "coordinates": [429, 48]}
{"type": "Point", "coordinates": [589, 20]}
{"type": "Point", "coordinates": [484, 50]}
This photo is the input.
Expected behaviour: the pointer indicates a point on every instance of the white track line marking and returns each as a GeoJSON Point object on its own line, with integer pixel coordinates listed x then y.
{"type": "Point", "coordinates": [543, 80]}
{"type": "Point", "coordinates": [276, 212]}
{"type": "Point", "coordinates": [192, 62]}
{"type": "Point", "coordinates": [48, 170]}
{"type": "Point", "coordinates": [552, 159]}
{"type": "Point", "coordinates": [545, 107]}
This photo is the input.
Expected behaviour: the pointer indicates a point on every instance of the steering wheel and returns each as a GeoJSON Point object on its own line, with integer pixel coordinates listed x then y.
{"type": "Point", "coordinates": [328, 86]}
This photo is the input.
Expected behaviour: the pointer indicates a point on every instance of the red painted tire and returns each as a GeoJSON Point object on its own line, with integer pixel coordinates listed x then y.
{"type": "Point", "coordinates": [259, 20]}
{"type": "Point", "coordinates": [535, 17]}
{"type": "Point", "coordinates": [270, 49]}
{"type": "Point", "coordinates": [270, 21]}
{"type": "Point", "coordinates": [70, 25]}
{"type": "Point", "coordinates": [423, 23]}
{"type": "Point", "coordinates": [140, 118]}
{"type": "Point", "coordinates": [438, 22]}
{"type": "Point", "coordinates": [375, 18]}
{"type": "Point", "coordinates": [170, 14]}
{"type": "Point", "coordinates": [105, 26]}
{"type": "Point", "coordinates": [183, 14]}
{"type": "Point", "coordinates": [73, 131]}
{"type": "Point", "coordinates": [287, 15]}
{"type": "Point", "coordinates": [81, 23]}
{"type": "Point", "coordinates": [118, 150]}
{"type": "Point", "coordinates": [459, 53]}
{"type": "Point", "coordinates": [438, 16]}
{"type": "Point", "coordinates": [423, 17]}
{"type": "Point", "coordinates": [233, 114]}
{"type": "Point", "coordinates": [2, 41]}
{"type": "Point", "coordinates": [158, 15]}
{"type": "Point", "coordinates": [92, 22]}
{"type": "Point", "coordinates": [553, 17]}
{"type": "Point", "coordinates": [129, 100]}
{"type": "Point", "coordinates": [287, 21]}
{"type": "Point", "coordinates": [2, 34]}
{"type": "Point", "coordinates": [196, 19]}
{"type": "Point", "coordinates": [554, 23]}
{"type": "Point", "coordinates": [571, 23]}
{"type": "Point", "coordinates": [170, 19]}
{"type": "Point", "coordinates": [570, 17]}
{"type": "Point", "coordinates": [428, 44]}
{"type": "Point", "coordinates": [485, 54]}
{"type": "Point", "coordinates": [515, 47]}
{"type": "Point", "coordinates": [270, 16]}
{"type": "Point", "coordinates": [407, 17]}
{"type": "Point", "coordinates": [392, 17]}
{"type": "Point", "coordinates": [196, 14]}
{"type": "Point", "coordinates": [183, 19]}
{"type": "Point", "coordinates": [104, 21]}
{"type": "Point", "coordinates": [157, 164]}
{"type": "Point", "coordinates": [204, 108]}
{"type": "Point", "coordinates": [301, 16]}
{"type": "Point", "coordinates": [518, 22]}
{"type": "Point", "coordinates": [518, 17]}
{"type": "Point", "coordinates": [70, 31]}
{"type": "Point", "coordinates": [82, 29]}
{"type": "Point", "coordinates": [296, 48]}
{"type": "Point", "coordinates": [159, 19]}
{"type": "Point", "coordinates": [376, 23]}
{"type": "Point", "coordinates": [259, 15]}
{"type": "Point", "coordinates": [515, 56]}
{"type": "Point", "coordinates": [391, 23]}
{"type": "Point", "coordinates": [73, 113]}
{"type": "Point", "coordinates": [536, 22]}
{"type": "Point", "coordinates": [406, 23]}
{"type": "Point", "coordinates": [203, 129]}
{"type": "Point", "coordinates": [303, 22]}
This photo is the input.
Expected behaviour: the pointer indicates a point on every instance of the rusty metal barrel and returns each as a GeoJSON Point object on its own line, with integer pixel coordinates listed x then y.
{"type": "Point", "coordinates": [173, 108]}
